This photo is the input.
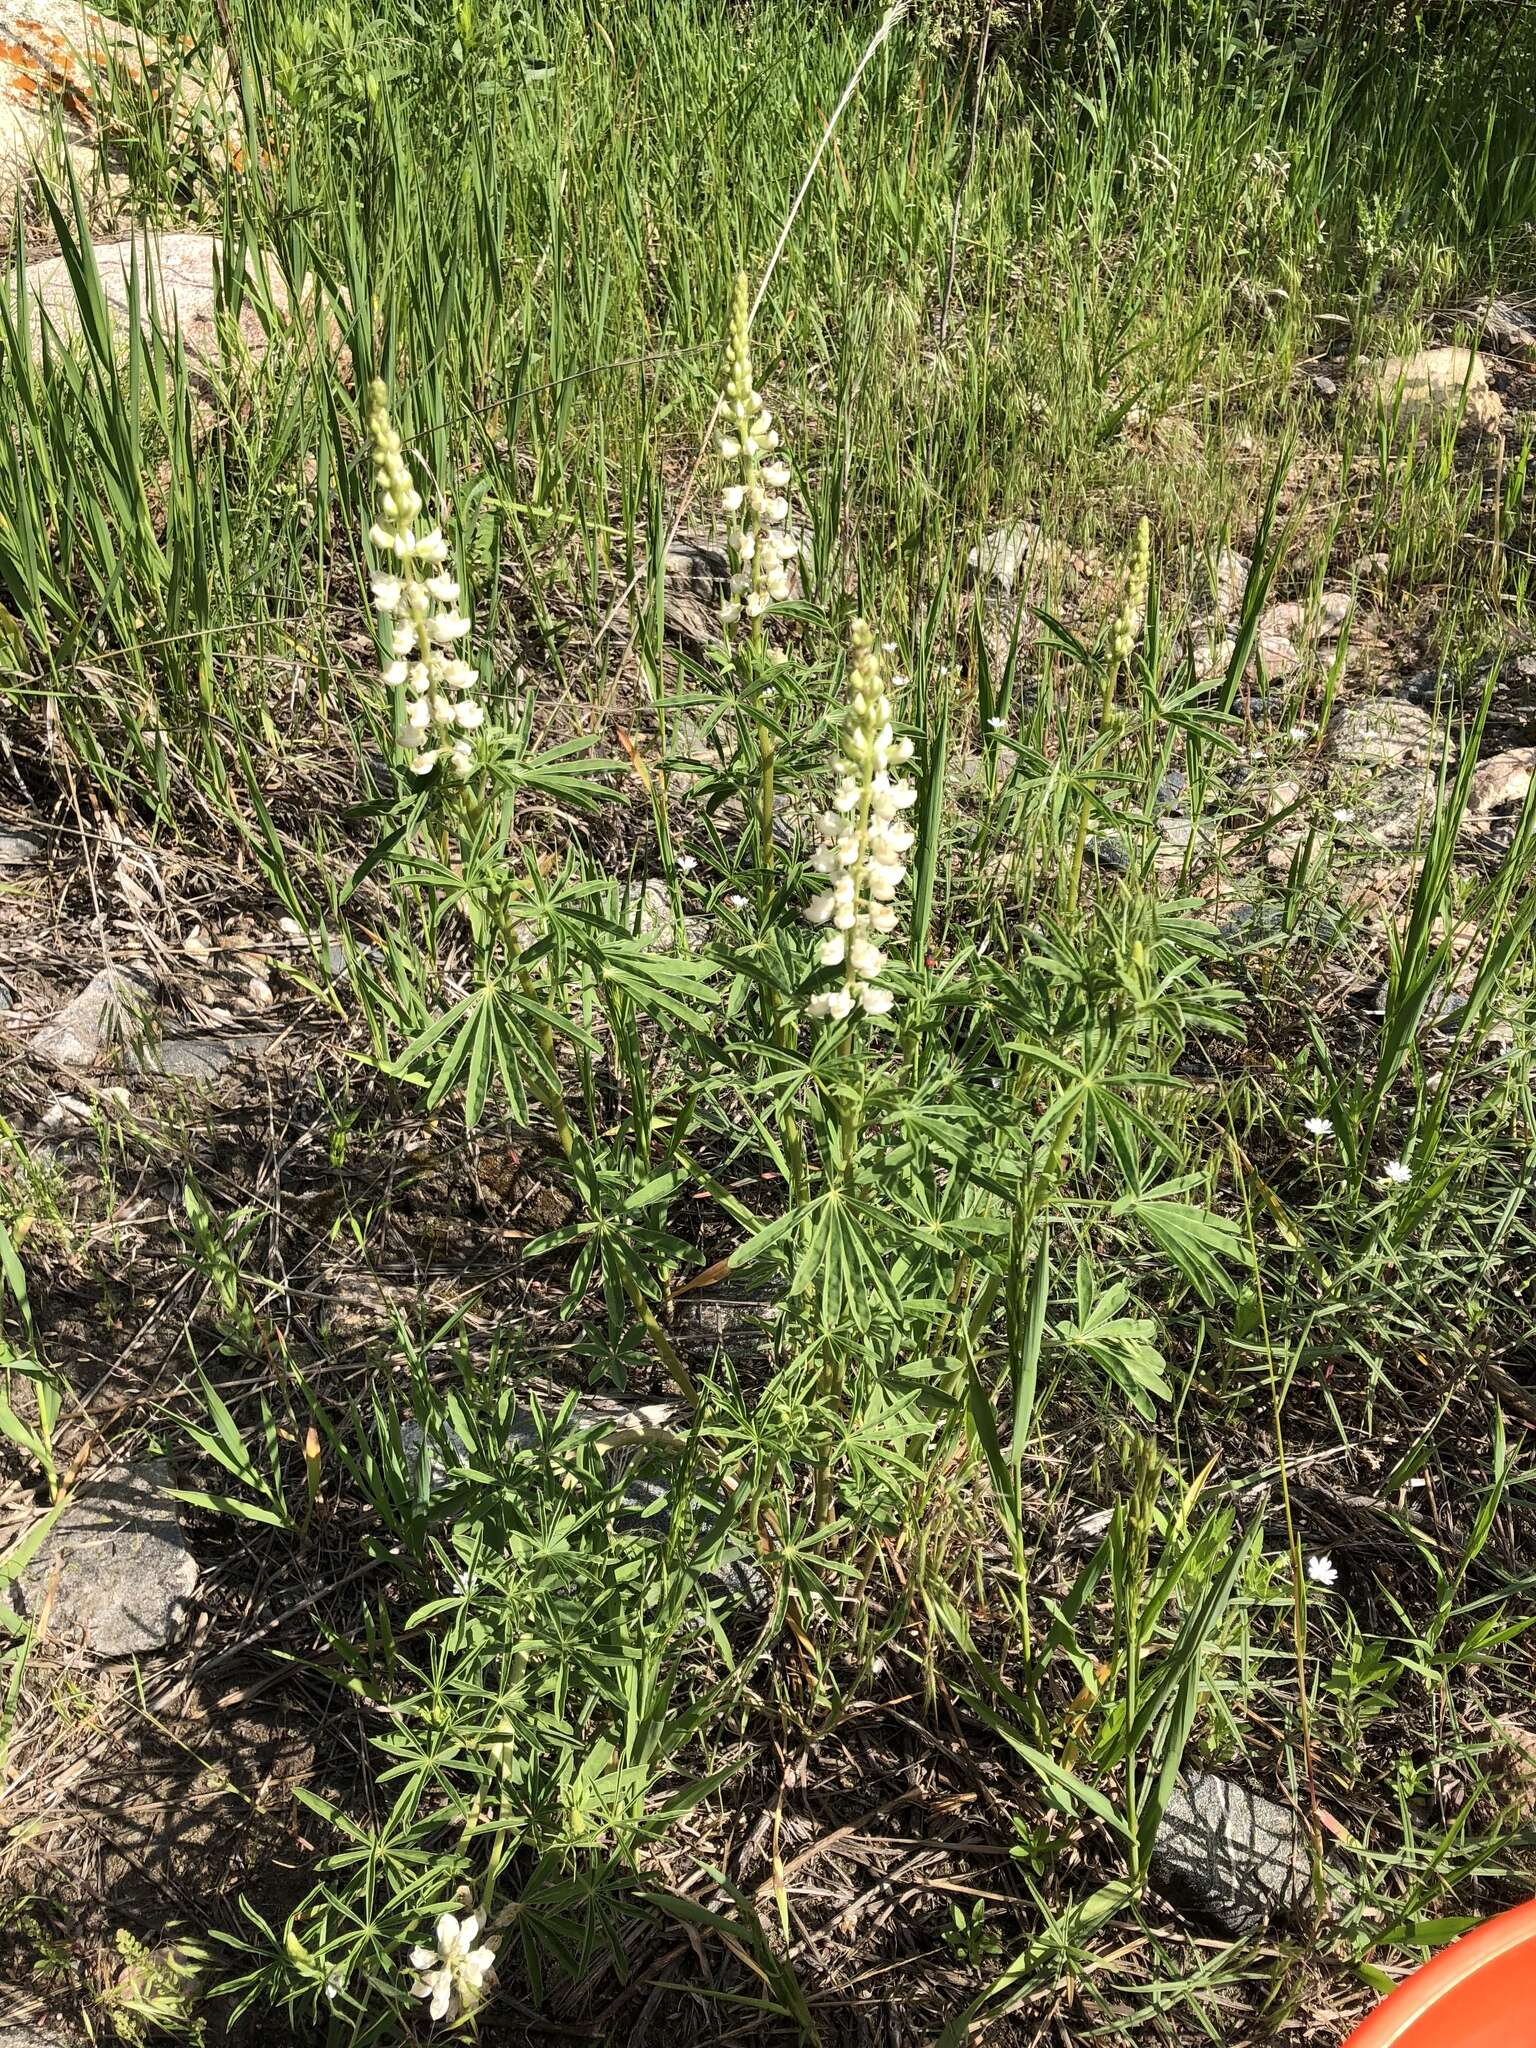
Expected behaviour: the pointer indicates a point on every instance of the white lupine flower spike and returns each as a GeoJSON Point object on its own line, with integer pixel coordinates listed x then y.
{"type": "Point", "coordinates": [421, 599]}
{"type": "Point", "coordinates": [452, 1977]}
{"type": "Point", "coordinates": [753, 502]}
{"type": "Point", "coordinates": [864, 844]}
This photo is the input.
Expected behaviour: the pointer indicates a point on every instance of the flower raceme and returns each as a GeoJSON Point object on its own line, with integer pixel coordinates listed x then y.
{"type": "Point", "coordinates": [1126, 627]}
{"type": "Point", "coordinates": [753, 501]}
{"type": "Point", "coordinates": [864, 841]}
{"type": "Point", "coordinates": [415, 592]}
{"type": "Point", "coordinates": [452, 1977]}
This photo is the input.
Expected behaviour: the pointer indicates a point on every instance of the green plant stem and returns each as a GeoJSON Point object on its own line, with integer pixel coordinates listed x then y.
{"type": "Point", "coordinates": [553, 1102]}
{"type": "Point", "coordinates": [1075, 873]}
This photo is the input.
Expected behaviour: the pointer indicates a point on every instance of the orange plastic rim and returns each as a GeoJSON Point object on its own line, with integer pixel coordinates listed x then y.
{"type": "Point", "coordinates": [1478, 1993]}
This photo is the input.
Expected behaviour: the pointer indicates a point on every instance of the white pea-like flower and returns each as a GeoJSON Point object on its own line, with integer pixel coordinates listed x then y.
{"type": "Point", "coordinates": [862, 848]}
{"type": "Point", "coordinates": [452, 1977]}
{"type": "Point", "coordinates": [753, 499]}
{"type": "Point", "coordinates": [419, 598]}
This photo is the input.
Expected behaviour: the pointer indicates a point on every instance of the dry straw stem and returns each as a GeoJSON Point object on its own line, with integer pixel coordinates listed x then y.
{"type": "Point", "coordinates": [888, 22]}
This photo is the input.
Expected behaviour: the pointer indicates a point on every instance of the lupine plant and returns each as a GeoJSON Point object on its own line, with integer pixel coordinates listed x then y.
{"type": "Point", "coordinates": [921, 1112]}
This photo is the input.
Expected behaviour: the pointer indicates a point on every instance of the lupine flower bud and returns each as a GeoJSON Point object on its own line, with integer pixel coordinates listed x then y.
{"type": "Point", "coordinates": [1126, 630]}
{"type": "Point", "coordinates": [420, 598]}
{"type": "Point", "coordinates": [862, 847]}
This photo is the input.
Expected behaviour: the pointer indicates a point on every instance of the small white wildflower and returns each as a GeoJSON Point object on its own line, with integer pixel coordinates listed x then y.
{"type": "Point", "coordinates": [736, 901]}
{"type": "Point", "coordinates": [1322, 1571]}
{"type": "Point", "coordinates": [1318, 1127]}
{"type": "Point", "coordinates": [452, 1977]}
{"type": "Point", "coordinates": [1343, 815]}
{"type": "Point", "coordinates": [996, 724]}
{"type": "Point", "coordinates": [1300, 732]}
{"type": "Point", "coordinates": [686, 863]}
{"type": "Point", "coordinates": [1397, 1173]}
{"type": "Point", "coordinates": [421, 599]}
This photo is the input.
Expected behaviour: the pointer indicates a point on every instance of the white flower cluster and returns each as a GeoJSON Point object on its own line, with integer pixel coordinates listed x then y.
{"type": "Point", "coordinates": [753, 502]}
{"type": "Point", "coordinates": [452, 1977]}
{"type": "Point", "coordinates": [416, 592]}
{"type": "Point", "coordinates": [864, 842]}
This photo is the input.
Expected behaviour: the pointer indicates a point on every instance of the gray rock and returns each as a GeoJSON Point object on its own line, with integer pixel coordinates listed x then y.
{"type": "Point", "coordinates": [112, 1005]}
{"type": "Point", "coordinates": [1323, 385]}
{"type": "Point", "coordinates": [20, 849]}
{"type": "Point", "coordinates": [1250, 927]}
{"type": "Point", "coordinates": [653, 918]}
{"type": "Point", "coordinates": [1510, 328]}
{"type": "Point", "coordinates": [1383, 732]}
{"type": "Point", "coordinates": [1424, 687]}
{"type": "Point", "coordinates": [1503, 781]}
{"type": "Point", "coordinates": [1497, 798]}
{"type": "Point", "coordinates": [740, 1325]}
{"type": "Point", "coordinates": [7, 998]}
{"type": "Point", "coordinates": [121, 1576]}
{"type": "Point", "coordinates": [1297, 620]}
{"type": "Point", "coordinates": [1109, 851]}
{"type": "Point", "coordinates": [19, 2034]}
{"type": "Point", "coordinates": [702, 565]}
{"type": "Point", "coordinates": [172, 281]}
{"type": "Point", "coordinates": [1016, 552]}
{"type": "Point", "coordinates": [199, 1058]}
{"type": "Point", "coordinates": [1223, 582]}
{"type": "Point", "coordinates": [1434, 384]}
{"type": "Point", "coordinates": [1231, 1854]}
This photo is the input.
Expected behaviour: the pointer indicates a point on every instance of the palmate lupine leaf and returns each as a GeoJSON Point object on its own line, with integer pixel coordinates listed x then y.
{"type": "Point", "coordinates": [1196, 1239]}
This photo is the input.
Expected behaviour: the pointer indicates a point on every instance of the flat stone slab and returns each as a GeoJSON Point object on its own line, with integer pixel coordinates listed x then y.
{"type": "Point", "coordinates": [1231, 1854]}
{"type": "Point", "coordinates": [120, 1573]}
{"type": "Point", "coordinates": [1384, 732]}
{"type": "Point", "coordinates": [199, 1059]}
{"type": "Point", "coordinates": [178, 277]}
